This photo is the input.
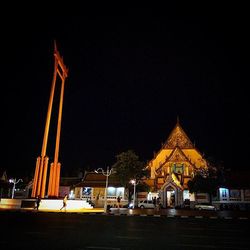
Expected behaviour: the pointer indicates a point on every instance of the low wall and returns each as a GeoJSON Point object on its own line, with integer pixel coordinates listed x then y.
{"type": "Point", "coordinates": [10, 203]}
{"type": "Point", "coordinates": [46, 204]}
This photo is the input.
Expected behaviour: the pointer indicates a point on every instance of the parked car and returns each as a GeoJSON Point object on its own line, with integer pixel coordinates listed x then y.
{"type": "Point", "coordinates": [146, 204]}
{"type": "Point", "coordinates": [204, 206]}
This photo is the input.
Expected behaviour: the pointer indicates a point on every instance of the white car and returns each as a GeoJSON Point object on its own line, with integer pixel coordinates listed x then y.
{"type": "Point", "coordinates": [204, 206]}
{"type": "Point", "coordinates": [146, 204]}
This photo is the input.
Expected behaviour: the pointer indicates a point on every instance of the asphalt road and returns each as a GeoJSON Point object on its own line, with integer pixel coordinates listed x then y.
{"type": "Point", "coordinates": [23, 230]}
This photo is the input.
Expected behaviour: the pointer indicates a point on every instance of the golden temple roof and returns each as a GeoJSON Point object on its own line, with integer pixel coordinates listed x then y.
{"type": "Point", "coordinates": [178, 138]}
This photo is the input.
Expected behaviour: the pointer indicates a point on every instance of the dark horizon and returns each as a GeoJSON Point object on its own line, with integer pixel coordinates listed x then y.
{"type": "Point", "coordinates": [130, 77]}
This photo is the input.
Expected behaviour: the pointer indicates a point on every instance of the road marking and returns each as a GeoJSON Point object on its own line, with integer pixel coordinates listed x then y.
{"type": "Point", "coordinates": [198, 217]}
{"type": "Point", "coordinates": [97, 247]}
{"type": "Point", "coordinates": [157, 215]}
{"type": "Point", "coordinates": [184, 216]}
{"type": "Point", "coordinates": [129, 237]}
{"type": "Point", "coordinates": [243, 218]}
{"type": "Point", "coordinates": [205, 246]}
{"type": "Point", "coordinates": [213, 217]}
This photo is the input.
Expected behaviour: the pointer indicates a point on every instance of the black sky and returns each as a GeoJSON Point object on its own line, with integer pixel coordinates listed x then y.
{"type": "Point", "coordinates": [131, 74]}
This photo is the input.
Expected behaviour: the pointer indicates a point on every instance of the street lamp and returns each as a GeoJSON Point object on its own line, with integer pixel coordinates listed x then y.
{"type": "Point", "coordinates": [133, 182]}
{"type": "Point", "coordinates": [107, 174]}
{"type": "Point", "coordinates": [14, 181]}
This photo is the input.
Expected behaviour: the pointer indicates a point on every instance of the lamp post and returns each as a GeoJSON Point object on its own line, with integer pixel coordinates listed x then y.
{"type": "Point", "coordinates": [14, 181]}
{"type": "Point", "coordinates": [134, 183]}
{"type": "Point", "coordinates": [107, 174]}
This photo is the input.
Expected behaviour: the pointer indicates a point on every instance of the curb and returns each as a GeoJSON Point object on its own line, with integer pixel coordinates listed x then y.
{"type": "Point", "coordinates": [180, 216]}
{"type": "Point", "coordinates": [134, 215]}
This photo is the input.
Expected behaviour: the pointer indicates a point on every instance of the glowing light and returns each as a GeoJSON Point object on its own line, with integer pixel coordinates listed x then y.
{"type": "Point", "coordinates": [71, 194]}
{"type": "Point", "coordinates": [185, 194]}
{"type": "Point", "coordinates": [57, 204]}
{"type": "Point", "coordinates": [133, 182]}
{"type": "Point", "coordinates": [224, 193]}
{"type": "Point", "coordinates": [149, 197]}
{"type": "Point", "coordinates": [14, 181]}
{"type": "Point", "coordinates": [111, 189]}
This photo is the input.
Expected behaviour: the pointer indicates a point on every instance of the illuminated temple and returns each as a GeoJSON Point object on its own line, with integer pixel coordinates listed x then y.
{"type": "Point", "coordinates": [173, 166]}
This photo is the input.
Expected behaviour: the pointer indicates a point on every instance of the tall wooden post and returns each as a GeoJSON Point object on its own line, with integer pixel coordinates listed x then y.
{"type": "Point", "coordinates": [39, 184]}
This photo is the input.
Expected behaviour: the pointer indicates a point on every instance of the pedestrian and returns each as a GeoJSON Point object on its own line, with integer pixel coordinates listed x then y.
{"type": "Point", "coordinates": [65, 199]}
{"type": "Point", "coordinates": [38, 201]}
{"type": "Point", "coordinates": [158, 203]}
{"type": "Point", "coordinates": [118, 201]}
{"type": "Point", "coordinates": [154, 201]}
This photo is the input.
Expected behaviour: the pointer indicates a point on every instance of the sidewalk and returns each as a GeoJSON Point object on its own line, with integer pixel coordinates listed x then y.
{"type": "Point", "coordinates": [33, 210]}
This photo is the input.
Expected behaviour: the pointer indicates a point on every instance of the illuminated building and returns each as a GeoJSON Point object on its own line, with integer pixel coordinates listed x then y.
{"type": "Point", "coordinates": [173, 166]}
{"type": "Point", "coordinates": [92, 187]}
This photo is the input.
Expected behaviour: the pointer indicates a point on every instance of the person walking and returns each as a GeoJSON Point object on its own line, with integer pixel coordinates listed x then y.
{"type": "Point", "coordinates": [38, 201]}
{"type": "Point", "coordinates": [154, 201]}
{"type": "Point", "coordinates": [65, 199]}
{"type": "Point", "coordinates": [118, 201]}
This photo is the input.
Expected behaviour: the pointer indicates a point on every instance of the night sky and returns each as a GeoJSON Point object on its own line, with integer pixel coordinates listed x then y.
{"type": "Point", "coordinates": [131, 73]}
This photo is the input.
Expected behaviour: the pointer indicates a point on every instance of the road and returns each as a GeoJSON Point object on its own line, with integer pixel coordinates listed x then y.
{"type": "Point", "coordinates": [25, 230]}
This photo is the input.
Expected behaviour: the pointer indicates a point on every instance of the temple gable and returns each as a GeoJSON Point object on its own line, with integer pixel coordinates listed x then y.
{"type": "Point", "coordinates": [178, 138]}
{"type": "Point", "coordinates": [177, 156]}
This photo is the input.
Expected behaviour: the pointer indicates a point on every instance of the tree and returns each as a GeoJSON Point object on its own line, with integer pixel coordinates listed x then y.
{"type": "Point", "coordinates": [207, 180]}
{"type": "Point", "coordinates": [128, 167]}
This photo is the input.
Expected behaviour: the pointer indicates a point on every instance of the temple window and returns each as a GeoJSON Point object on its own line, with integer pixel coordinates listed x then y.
{"type": "Point", "coordinates": [177, 168]}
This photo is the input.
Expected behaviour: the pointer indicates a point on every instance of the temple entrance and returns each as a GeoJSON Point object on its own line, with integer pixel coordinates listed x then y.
{"type": "Point", "coordinates": [171, 194]}
{"type": "Point", "coordinates": [170, 197]}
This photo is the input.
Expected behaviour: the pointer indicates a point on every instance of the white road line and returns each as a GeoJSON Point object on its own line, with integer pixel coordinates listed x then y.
{"type": "Point", "coordinates": [206, 246]}
{"type": "Point", "coordinates": [243, 218]}
{"type": "Point", "coordinates": [97, 247]}
{"type": "Point", "coordinates": [129, 237]}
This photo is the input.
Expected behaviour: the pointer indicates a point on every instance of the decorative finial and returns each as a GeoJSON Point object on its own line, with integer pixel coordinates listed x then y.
{"type": "Point", "coordinates": [178, 120]}
{"type": "Point", "coordinates": [55, 47]}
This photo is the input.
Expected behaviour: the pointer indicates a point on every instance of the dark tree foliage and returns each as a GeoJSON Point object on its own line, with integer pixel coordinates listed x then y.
{"type": "Point", "coordinates": [128, 167]}
{"type": "Point", "coordinates": [207, 180]}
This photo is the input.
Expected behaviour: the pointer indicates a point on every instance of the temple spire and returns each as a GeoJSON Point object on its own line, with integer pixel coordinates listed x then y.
{"type": "Point", "coordinates": [178, 120]}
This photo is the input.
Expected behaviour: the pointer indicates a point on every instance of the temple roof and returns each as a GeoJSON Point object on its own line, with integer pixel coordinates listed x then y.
{"type": "Point", "coordinates": [178, 138]}
{"type": "Point", "coordinates": [177, 155]}
{"type": "Point", "coordinates": [3, 175]}
{"type": "Point", "coordinates": [92, 179]}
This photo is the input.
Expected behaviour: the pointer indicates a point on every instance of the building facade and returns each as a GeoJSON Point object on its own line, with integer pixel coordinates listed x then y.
{"type": "Point", "coordinates": [173, 166]}
{"type": "Point", "coordinates": [92, 188]}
